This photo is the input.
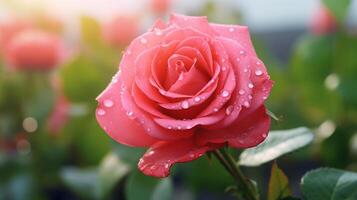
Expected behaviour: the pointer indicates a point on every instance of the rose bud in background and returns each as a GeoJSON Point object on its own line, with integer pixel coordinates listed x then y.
{"type": "Point", "coordinates": [34, 50]}
{"type": "Point", "coordinates": [119, 31]}
{"type": "Point", "coordinates": [9, 28]}
{"type": "Point", "coordinates": [323, 22]}
{"type": "Point", "coordinates": [185, 88]}
{"type": "Point", "coordinates": [160, 7]}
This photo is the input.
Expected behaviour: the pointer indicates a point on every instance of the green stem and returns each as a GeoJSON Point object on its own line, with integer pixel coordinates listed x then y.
{"type": "Point", "coordinates": [230, 165]}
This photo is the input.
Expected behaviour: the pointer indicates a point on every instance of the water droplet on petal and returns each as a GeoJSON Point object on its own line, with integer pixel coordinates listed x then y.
{"type": "Point", "coordinates": [128, 52]}
{"type": "Point", "coordinates": [264, 97]}
{"type": "Point", "coordinates": [250, 85]}
{"type": "Point", "coordinates": [192, 155]}
{"type": "Point", "coordinates": [197, 99]}
{"type": "Point", "coordinates": [246, 104]}
{"type": "Point", "coordinates": [185, 104]}
{"type": "Point", "coordinates": [258, 72]}
{"type": "Point", "coordinates": [231, 29]}
{"type": "Point", "coordinates": [250, 97]}
{"type": "Point", "coordinates": [225, 93]}
{"type": "Point", "coordinates": [258, 63]}
{"type": "Point", "coordinates": [179, 127]}
{"type": "Point", "coordinates": [224, 69]}
{"type": "Point", "coordinates": [151, 153]}
{"type": "Point", "coordinates": [264, 135]}
{"type": "Point", "coordinates": [158, 32]}
{"type": "Point", "coordinates": [245, 70]}
{"type": "Point", "coordinates": [130, 114]}
{"type": "Point", "coordinates": [241, 92]}
{"type": "Point", "coordinates": [101, 112]}
{"type": "Point", "coordinates": [241, 52]}
{"type": "Point", "coordinates": [215, 109]}
{"type": "Point", "coordinates": [238, 59]}
{"type": "Point", "coordinates": [108, 103]}
{"type": "Point", "coordinates": [148, 129]}
{"type": "Point", "coordinates": [167, 165]}
{"type": "Point", "coordinates": [229, 110]}
{"type": "Point", "coordinates": [169, 127]}
{"type": "Point", "coordinates": [143, 40]}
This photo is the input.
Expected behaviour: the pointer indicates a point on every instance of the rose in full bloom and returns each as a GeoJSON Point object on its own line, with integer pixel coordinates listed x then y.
{"type": "Point", "coordinates": [323, 22]}
{"type": "Point", "coordinates": [185, 88]}
{"type": "Point", "coordinates": [120, 30]}
{"type": "Point", "coordinates": [33, 50]}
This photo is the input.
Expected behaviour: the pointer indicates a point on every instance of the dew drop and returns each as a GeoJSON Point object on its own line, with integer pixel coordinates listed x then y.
{"type": "Point", "coordinates": [151, 153]}
{"type": "Point", "coordinates": [250, 85]}
{"type": "Point", "coordinates": [215, 109]}
{"type": "Point", "coordinates": [225, 93]}
{"type": "Point", "coordinates": [258, 63]}
{"type": "Point", "coordinates": [231, 29]}
{"type": "Point", "coordinates": [185, 104]}
{"type": "Point", "coordinates": [158, 32]}
{"type": "Point", "coordinates": [258, 72]}
{"type": "Point", "coordinates": [192, 155]}
{"type": "Point", "coordinates": [108, 103]}
{"type": "Point", "coordinates": [143, 40]}
{"type": "Point", "coordinates": [250, 97]}
{"type": "Point", "coordinates": [246, 104]}
{"type": "Point", "coordinates": [197, 99]}
{"type": "Point", "coordinates": [238, 59]}
{"type": "Point", "coordinates": [229, 110]}
{"type": "Point", "coordinates": [148, 129]}
{"type": "Point", "coordinates": [101, 112]}
{"type": "Point", "coordinates": [128, 52]}
{"type": "Point", "coordinates": [241, 52]}
{"type": "Point", "coordinates": [241, 92]}
{"type": "Point", "coordinates": [264, 135]}
{"type": "Point", "coordinates": [264, 97]}
{"type": "Point", "coordinates": [245, 70]}
{"type": "Point", "coordinates": [179, 127]}
{"type": "Point", "coordinates": [130, 114]}
{"type": "Point", "coordinates": [167, 165]}
{"type": "Point", "coordinates": [224, 68]}
{"type": "Point", "coordinates": [169, 127]}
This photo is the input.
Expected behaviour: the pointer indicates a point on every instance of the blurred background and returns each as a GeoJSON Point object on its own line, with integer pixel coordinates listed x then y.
{"type": "Point", "coordinates": [56, 56]}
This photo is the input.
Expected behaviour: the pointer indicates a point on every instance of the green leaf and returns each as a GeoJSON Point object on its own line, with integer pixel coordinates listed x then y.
{"type": "Point", "coordinates": [278, 184]}
{"type": "Point", "coordinates": [339, 8]}
{"type": "Point", "coordinates": [127, 154]}
{"type": "Point", "coordinates": [111, 171]}
{"type": "Point", "coordinates": [329, 183]}
{"type": "Point", "coordinates": [82, 181]}
{"type": "Point", "coordinates": [141, 187]}
{"type": "Point", "coordinates": [277, 143]}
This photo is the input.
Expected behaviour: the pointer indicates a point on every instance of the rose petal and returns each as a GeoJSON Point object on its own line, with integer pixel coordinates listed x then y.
{"type": "Point", "coordinates": [115, 121]}
{"type": "Point", "coordinates": [158, 160]}
{"type": "Point", "coordinates": [238, 33]}
{"type": "Point", "coordinates": [190, 123]}
{"type": "Point", "coordinates": [199, 23]}
{"type": "Point", "coordinates": [245, 132]}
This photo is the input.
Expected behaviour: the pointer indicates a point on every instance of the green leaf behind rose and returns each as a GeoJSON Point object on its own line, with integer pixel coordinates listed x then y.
{"type": "Point", "coordinates": [277, 143]}
{"type": "Point", "coordinates": [329, 183]}
{"type": "Point", "coordinates": [278, 184]}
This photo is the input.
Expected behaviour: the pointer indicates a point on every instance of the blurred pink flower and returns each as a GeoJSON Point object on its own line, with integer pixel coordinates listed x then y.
{"type": "Point", "coordinates": [323, 22]}
{"type": "Point", "coordinates": [160, 6]}
{"type": "Point", "coordinates": [9, 28]}
{"type": "Point", "coordinates": [34, 50]}
{"type": "Point", "coordinates": [120, 30]}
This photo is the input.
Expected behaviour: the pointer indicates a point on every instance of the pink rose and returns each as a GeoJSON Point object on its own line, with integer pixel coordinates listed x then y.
{"type": "Point", "coordinates": [323, 21]}
{"type": "Point", "coordinates": [8, 29]}
{"type": "Point", "coordinates": [160, 6]}
{"type": "Point", "coordinates": [185, 88]}
{"type": "Point", "coordinates": [33, 50]}
{"type": "Point", "coordinates": [120, 30]}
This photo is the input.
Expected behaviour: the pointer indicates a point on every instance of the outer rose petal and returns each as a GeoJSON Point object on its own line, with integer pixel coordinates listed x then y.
{"type": "Point", "coordinates": [238, 33]}
{"type": "Point", "coordinates": [197, 23]}
{"type": "Point", "coordinates": [244, 133]}
{"type": "Point", "coordinates": [158, 160]}
{"type": "Point", "coordinates": [115, 121]}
